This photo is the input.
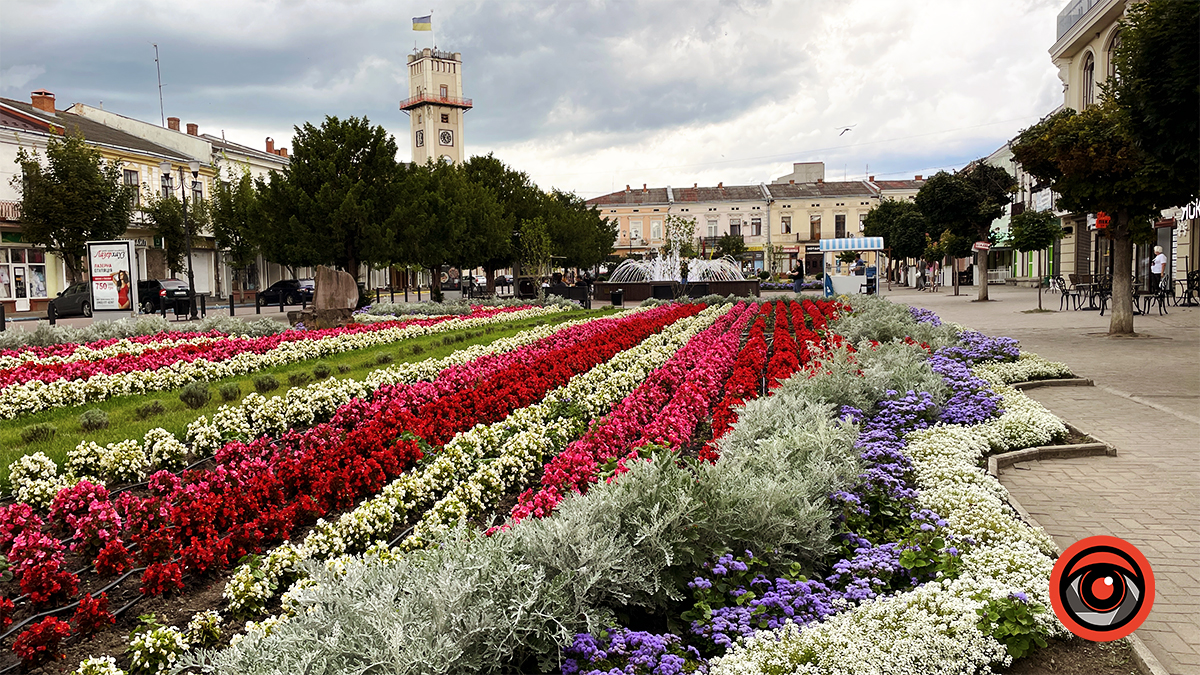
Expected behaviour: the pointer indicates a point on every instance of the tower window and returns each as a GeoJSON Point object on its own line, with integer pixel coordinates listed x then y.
{"type": "Point", "coordinates": [445, 91]}
{"type": "Point", "coordinates": [445, 118]}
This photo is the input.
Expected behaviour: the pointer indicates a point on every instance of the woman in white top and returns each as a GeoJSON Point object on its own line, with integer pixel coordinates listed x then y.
{"type": "Point", "coordinates": [1157, 266]}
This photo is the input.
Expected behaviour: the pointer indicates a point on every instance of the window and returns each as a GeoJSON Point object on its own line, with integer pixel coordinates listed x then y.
{"type": "Point", "coordinates": [420, 138]}
{"type": "Point", "coordinates": [197, 191]}
{"type": "Point", "coordinates": [635, 229]}
{"type": "Point", "coordinates": [1089, 80]}
{"type": "Point", "coordinates": [445, 118]}
{"type": "Point", "coordinates": [26, 277]}
{"type": "Point", "coordinates": [786, 223]}
{"type": "Point", "coordinates": [445, 91]}
{"type": "Point", "coordinates": [756, 227]}
{"type": "Point", "coordinates": [1112, 55]}
{"type": "Point", "coordinates": [166, 185]}
{"type": "Point", "coordinates": [862, 222]}
{"type": "Point", "coordinates": [839, 226]}
{"type": "Point", "coordinates": [814, 227]}
{"type": "Point", "coordinates": [656, 230]}
{"type": "Point", "coordinates": [131, 179]}
{"type": "Point", "coordinates": [418, 118]}
{"type": "Point", "coordinates": [712, 227]}
{"type": "Point", "coordinates": [735, 227]}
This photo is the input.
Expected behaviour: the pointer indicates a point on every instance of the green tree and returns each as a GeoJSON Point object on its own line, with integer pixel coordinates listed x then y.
{"type": "Point", "coordinates": [1094, 165]}
{"type": "Point", "coordinates": [730, 245]}
{"type": "Point", "coordinates": [446, 219]}
{"type": "Point", "coordinates": [1035, 231]}
{"type": "Point", "coordinates": [166, 219]}
{"type": "Point", "coordinates": [1157, 87]}
{"type": "Point", "coordinates": [75, 197]}
{"type": "Point", "coordinates": [236, 220]}
{"type": "Point", "coordinates": [580, 236]}
{"type": "Point", "coordinates": [961, 208]}
{"type": "Point", "coordinates": [901, 225]}
{"type": "Point", "coordinates": [680, 232]}
{"type": "Point", "coordinates": [334, 202]}
{"type": "Point", "coordinates": [519, 199]}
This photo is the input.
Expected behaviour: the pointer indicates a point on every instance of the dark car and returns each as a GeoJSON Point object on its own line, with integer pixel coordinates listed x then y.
{"type": "Point", "coordinates": [293, 292]}
{"type": "Point", "coordinates": [154, 294]}
{"type": "Point", "coordinates": [76, 300]}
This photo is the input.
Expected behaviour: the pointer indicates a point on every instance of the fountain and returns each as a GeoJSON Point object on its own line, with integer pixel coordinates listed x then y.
{"type": "Point", "coordinates": [660, 277]}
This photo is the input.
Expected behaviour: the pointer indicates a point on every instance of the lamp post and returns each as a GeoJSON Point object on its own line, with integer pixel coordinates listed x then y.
{"type": "Point", "coordinates": [194, 167]}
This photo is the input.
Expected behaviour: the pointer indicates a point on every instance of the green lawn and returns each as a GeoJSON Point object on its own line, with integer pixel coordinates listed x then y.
{"type": "Point", "coordinates": [123, 414]}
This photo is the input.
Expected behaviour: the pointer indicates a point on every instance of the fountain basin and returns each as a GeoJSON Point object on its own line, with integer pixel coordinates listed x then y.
{"type": "Point", "coordinates": [642, 290]}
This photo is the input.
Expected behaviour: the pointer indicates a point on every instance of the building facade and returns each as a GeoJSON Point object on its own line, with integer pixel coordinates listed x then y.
{"type": "Point", "coordinates": [435, 106]}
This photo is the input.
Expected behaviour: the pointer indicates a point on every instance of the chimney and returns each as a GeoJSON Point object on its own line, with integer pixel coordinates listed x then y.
{"type": "Point", "coordinates": [173, 123]}
{"type": "Point", "coordinates": [270, 145]}
{"type": "Point", "coordinates": [42, 100]}
{"type": "Point", "coordinates": [643, 187]}
{"type": "Point", "coordinates": [871, 179]}
{"type": "Point", "coordinates": [627, 188]}
{"type": "Point", "coordinates": [695, 185]}
{"type": "Point", "coordinates": [721, 186]}
{"type": "Point", "coordinates": [791, 182]}
{"type": "Point", "coordinates": [820, 180]}
{"type": "Point", "coordinates": [918, 176]}
{"type": "Point", "coordinates": [283, 152]}
{"type": "Point", "coordinates": [193, 129]}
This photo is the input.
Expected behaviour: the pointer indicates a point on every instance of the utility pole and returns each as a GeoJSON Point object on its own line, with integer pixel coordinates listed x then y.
{"type": "Point", "coordinates": [161, 110]}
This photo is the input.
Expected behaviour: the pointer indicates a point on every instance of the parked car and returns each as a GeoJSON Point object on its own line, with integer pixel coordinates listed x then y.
{"type": "Point", "coordinates": [76, 300]}
{"type": "Point", "coordinates": [293, 292]}
{"type": "Point", "coordinates": [154, 294]}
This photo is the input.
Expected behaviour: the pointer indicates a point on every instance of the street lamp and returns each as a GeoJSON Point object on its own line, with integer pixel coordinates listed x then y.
{"type": "Point", "coordinates": [194, 166]}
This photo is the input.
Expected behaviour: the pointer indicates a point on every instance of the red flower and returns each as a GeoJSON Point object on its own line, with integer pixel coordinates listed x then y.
{"type": "Point", "coordinates": [159, 579]}
{"type": "Point", "coordinates": [92, 614]}
{"type": "Point", "coordinates": [41, 642]}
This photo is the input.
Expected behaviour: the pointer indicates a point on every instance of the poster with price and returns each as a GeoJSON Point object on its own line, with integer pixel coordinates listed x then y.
{"type": "Point", "coordinates": [110, 264]}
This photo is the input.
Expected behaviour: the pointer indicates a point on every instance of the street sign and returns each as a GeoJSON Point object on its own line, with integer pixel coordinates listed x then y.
{"type": "Point", "coordinates": [981, 246]}
{"type": "Point", "coordinates": [1102, 220]}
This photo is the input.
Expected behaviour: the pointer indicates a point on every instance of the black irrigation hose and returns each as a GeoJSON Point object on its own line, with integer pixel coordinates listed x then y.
{"type": "Point", "coordinates": [73, 605]}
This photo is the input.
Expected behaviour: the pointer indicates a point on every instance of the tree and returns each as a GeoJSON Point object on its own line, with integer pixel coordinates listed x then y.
{"type": "Point", "coordinates": [1094, 165]}
{"type": "Point", "coordinates": [730, 245]}
{"type": "Point", "coordinates": [166, 219]}
{"type": "Point", "coordinates": [964, 205]}
{"type": "Point", "coordinates": [901, 225]}
{"type": "Point", "coordinates": [75, 198]}
{"type": "Point", "coordinates": [1157, 87]}
{"type": "Point", "coordinates": [334, 202]}
{"type": "Point", "coordinates": [446, 219]}
{"type": "Point", "coordinates": [580, 236]}
{"type": "Point", "coordinates": [236, 219]}
{"type": "Point", "coordinates": [1035, 231]}
{"type": "Point", "coordinates": [519, 198]}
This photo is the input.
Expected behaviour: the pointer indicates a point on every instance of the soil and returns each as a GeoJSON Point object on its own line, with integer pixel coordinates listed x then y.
{"type": "Point", "coordinates": [1076, 656]}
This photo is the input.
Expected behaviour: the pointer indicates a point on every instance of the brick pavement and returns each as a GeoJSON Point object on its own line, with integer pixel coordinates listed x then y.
{"type": "Point", "coordinates": [1146, 403]}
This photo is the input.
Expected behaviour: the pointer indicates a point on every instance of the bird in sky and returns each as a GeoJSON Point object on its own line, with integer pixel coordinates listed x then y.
{"type": "Point", "coordinates": [847, 128]}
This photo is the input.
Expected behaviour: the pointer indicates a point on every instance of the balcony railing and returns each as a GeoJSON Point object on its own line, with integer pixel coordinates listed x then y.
{"type": "Point", "coordinates": [422, 99]}
{"type": "Point", "coordinates": [10, 211]}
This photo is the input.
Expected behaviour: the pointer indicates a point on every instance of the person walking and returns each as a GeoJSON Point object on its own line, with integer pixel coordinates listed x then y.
{"type": "Point", "coordinates": [798, 277]}
{"type": "Point", "coordinates": [1157, 267]}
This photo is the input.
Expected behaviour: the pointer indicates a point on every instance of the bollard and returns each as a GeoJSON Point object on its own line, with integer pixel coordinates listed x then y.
{"type": "Point", "coordinates": [231, 304]}
{"type": "Point", "coordinates": [257, 303]}
{"type": "Point", "coordinates": [204, 306]}
{"type": "Point", "coordinates": [3, 321]}
{"type": "Point", "coordinates": [393, 290]}
{"type": "Point", "coordinates": [162, 303]}
{"type": "Point", "coordinates": [281, 296]}
{"type": "Point", "coordinates": [406, 291]}
{"type": "Point", "coordinates": [418, 293]}
{"type": "Point", "coordinates": [51, 314]}
{"type": "Point", "coordinates": [377, 296]}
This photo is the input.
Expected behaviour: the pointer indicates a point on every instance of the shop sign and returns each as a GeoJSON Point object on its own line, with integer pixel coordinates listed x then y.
{"type": "Point", "coordinates": [1102, 220]}
{"type": "Point", "coordinates": [1191, 211]}
{"type": "Point", "coordinates": [981, 246]}
{"type": "Point", "coordinates": [110, 266]}
{"type": "Point", "coordinates": [812, 248]}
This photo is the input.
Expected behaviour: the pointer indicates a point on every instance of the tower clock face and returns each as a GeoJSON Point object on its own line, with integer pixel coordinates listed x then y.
{"type": "Point", "coordinates": [420, 138]}
{"type": "Point", "coordinates": [446, 137]}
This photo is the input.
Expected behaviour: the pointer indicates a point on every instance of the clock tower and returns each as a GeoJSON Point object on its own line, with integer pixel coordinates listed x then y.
{"type": "Point", "coordinates": [435, 105]}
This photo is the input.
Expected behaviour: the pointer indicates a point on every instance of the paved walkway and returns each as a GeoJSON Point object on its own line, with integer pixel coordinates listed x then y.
{"type": "Point", "coordinates": [1146, 402]}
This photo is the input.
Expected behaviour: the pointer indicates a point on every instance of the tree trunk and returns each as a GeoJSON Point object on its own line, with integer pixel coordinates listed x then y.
{"type": "Point", "coordinates": [1122, 279]}
{"type": "Point", "coordinates": [435, 284]}
{"type": "Point", "coordinates": [981, 270]}
{"type": "Point", "coordinates": [1040, 275]}
{"type": "Point", "coordinates": [490, 275]}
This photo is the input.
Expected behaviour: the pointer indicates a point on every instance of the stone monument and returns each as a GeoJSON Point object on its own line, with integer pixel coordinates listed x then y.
{"type": "Point", "coordinates": [334, 300]}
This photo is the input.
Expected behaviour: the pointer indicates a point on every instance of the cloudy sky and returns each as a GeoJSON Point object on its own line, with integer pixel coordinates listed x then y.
{"type": "Point", "coordinates": [584, 95]}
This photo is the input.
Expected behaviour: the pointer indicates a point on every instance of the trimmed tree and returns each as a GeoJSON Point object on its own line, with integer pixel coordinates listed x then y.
{"type": "Point", "coordinates": [1094, 165]}
{"type": "Point", "coordinates": [75, 197]}
{"type": "Point", "coordinates": [964, 205]}
{"type": "Point", "coordinates": [236, 220]}
{"type": "Point", "coordinates": [1035, 231]}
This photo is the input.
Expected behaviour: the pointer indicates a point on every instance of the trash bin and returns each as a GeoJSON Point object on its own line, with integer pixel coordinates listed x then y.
{"type": "Point", "coordinates": [183, 307]}
{"type": "Point", "coordinates": [618, 297]}
{"type": "Point", "coordinates": [872, 280]}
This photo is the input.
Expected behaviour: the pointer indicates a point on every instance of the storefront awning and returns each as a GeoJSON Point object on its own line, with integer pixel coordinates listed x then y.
{"type": "Point", "coordinates": [1165, 222]}
{"type": "Point", "coordinates": [853, 244]}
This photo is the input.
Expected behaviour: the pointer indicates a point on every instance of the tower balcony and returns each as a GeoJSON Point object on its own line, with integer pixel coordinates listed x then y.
{"type": "Point", "coordinates": [430, 99]}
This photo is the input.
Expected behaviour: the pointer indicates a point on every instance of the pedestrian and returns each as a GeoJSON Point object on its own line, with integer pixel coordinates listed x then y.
{"type": "Point", "coordinates": [798, 277]}
{"type": "Point", "coordinates": [683, 270]}
{"type": "Point", "coordinates": [1157, 267]}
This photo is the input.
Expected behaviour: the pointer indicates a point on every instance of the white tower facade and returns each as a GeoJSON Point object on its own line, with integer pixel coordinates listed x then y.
{"type": "Point", "coordinates": [435, 105]}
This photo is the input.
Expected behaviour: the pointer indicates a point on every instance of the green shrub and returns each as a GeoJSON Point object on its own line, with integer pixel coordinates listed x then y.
{"type": "Point", "coordinates": [322, 371]}
{"type": "Point", "coordinates": [148, 410]}
{"type": "Point", "coordinates": [344, 368]}
{"type": "Point", "coordinates": [196, 395]}
{"type": "Point", "coordinates": [93, 420]}
{"type": "Point", "coordinates": [230, 391]}
{"type": "Point", "coordinates": [265, 383]}
{"type": "Point", "coordinates": [417, 349]}
{"type": "Point", "coordinates": [1011, 621]}
{"type": "Point", "coordinates": [299, 379]}
{"type": "Point", "coordinates": [38, 433]}
{"type": "Point", "coordinates": [382, 359]}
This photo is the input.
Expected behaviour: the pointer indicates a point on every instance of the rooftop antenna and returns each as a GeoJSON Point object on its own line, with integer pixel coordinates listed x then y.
{"type": "Point", "coordinates": [161, 110]}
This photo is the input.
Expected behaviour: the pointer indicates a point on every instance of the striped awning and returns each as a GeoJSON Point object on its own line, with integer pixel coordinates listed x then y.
{"type": "Point", "coordinates": [853, 244]}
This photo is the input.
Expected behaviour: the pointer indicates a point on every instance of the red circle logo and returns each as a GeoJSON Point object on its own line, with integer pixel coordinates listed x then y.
{"type": "Point", "coordinates": [1102, 588]}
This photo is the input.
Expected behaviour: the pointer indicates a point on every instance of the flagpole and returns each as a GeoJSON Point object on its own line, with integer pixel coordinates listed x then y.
{"type": "Point", "coordinates": [434, 34]}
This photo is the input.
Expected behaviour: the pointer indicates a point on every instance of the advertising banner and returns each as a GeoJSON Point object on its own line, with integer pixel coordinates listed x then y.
{"type": "Point", "coordinates": [110, 266]}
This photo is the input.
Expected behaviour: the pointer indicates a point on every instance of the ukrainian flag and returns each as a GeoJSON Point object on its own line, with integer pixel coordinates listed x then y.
{"type": "Point", "coordinates": [423, 22]}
